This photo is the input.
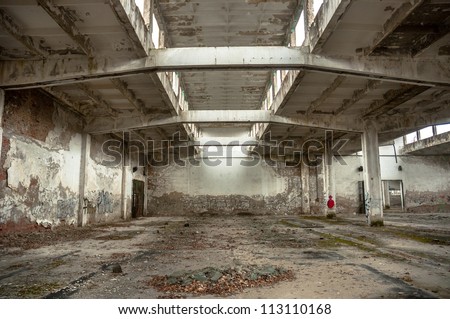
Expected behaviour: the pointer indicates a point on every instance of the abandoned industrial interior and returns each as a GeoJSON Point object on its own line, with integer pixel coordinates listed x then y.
{"type": "Point", "coordinates": [225, 149]}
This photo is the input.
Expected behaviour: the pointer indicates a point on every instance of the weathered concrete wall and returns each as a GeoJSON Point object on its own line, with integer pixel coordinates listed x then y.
{"type": "Point", "coordinates": [347, 178]}
{"type": "Point", "coordinates": [39, 168]}
{"type": "Point", "coordinates": [233, 188]}
{"type": "Point", "coordinates": [103, 185]}
{"type": "Point", "coordinates": [426, 181]}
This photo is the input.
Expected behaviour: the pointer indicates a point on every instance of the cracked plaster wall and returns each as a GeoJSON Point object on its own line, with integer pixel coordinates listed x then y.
{"type": "Point", "coordinates": [40, 166]}
{"type": "Point", "coordinates": [426, 182]}
{"type": "Point", "coordinates": [40, 163]}
{"type": "Point", "coordinates": [266, 190]}
{"type": "Point", "coordinates": [103, 185]}
{"type": "Point", "coordinates": [228, 189]}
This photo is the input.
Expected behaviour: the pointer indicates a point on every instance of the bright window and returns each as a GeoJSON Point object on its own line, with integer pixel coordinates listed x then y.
{"type": "Point", "coordinates": [411, 138]}
{"type": "Point", "coordinates": [442, 128]}
{"type": "Point", "coordinates": [316, 6]}
{"type": "Point", "coordinates": [155, 32]}
{"type": "Point", "coordinates": [300, 30]}
{"type": "Point", "coordinates": [426, 132]}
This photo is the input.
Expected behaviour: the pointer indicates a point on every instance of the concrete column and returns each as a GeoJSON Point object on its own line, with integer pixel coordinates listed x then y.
{"type": "Point", "coordinates": [148, 15]}
{"type": "Point", "coordinates": [402, 198]}
{"type": "Point", "coordinates": [372, 175]}
{"type": "Point", "coordinates": [127, 184]}
{"type": "Point", "coordinates": [85, 154]}
{"type": "Point", "coordinates": [330, 182]}
{"type": "Point", "coordinates": [386, 195]}
{"type": "Point", "coordinates": [2, 108]}
{"type": "Point", "coordinates": [306, 200]}
{"type": "Point", "coordinates": [146, 172]}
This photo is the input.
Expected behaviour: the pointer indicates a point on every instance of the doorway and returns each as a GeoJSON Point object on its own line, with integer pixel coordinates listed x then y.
{"type": "Point", "coordinates": [137, 209]}
{"type": "Point", "coordinates": [393, 195]}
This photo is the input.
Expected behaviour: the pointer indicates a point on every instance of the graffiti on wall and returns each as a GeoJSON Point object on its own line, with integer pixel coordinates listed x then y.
{"type": "Point", "coordinates": [105, 203]}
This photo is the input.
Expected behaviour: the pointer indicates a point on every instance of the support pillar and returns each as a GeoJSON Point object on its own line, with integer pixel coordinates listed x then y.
{"type": "Point", "coordinates": [329, 174]}
{"type": "Point", "coordinates": [372, 175]}
{"type": "Point", "coordinates": [306, 200]}
{"type": "Point", "coordinates": [146, 172]}
{"type": "Point", "coordinates": [127, 183]}
{"type": "Point", "coordinates": [148, 15]}
{"type": "Point", "coordinates": [85, 154]}
{"type": "Point", "coordinates": [386, 195]}
{"type": "Point", "coordinates": [2, 108]}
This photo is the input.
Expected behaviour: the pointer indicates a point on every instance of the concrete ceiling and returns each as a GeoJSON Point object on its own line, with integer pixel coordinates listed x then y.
{"type": "Point", "coordinates": [401, 29]}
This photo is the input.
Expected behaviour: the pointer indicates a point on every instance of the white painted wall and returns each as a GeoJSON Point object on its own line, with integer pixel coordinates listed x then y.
{"type": "Point", "coordinates": [228, 178]}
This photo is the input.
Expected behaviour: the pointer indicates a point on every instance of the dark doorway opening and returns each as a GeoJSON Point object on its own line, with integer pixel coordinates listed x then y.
{"type": "Point", "coordinates": [138, 199]}
{"type": "Point", "coordinates": [393, 195]}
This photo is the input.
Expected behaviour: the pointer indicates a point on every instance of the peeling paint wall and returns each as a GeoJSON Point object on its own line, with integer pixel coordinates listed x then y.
{"type": "Point", "coordinates": [40, 161]}
{"type": "Point", "coordinates": [426, 181]}
{"type": "Point", "coordinates": [103, 185]}
{"type": "Point", "coordinates": [261, 189]}
{"type": "Point", "coordinates": [40, 167]}
{"type": "Point", "coordinates": [266, 190]}
{"type": "Point", "coordinates": [347, 178]}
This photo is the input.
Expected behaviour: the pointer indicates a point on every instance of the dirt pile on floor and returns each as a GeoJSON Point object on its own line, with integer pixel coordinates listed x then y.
{"type": "Point", "coordinates": [220, 282]}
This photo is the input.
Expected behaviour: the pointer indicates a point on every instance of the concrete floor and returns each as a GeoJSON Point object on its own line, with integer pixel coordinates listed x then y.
{"type": "Point", "coordinates": [343, 258]}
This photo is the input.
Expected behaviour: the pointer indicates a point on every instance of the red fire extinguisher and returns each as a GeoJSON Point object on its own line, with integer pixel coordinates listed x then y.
{"type": "Point", "coordinates": [330, 202]}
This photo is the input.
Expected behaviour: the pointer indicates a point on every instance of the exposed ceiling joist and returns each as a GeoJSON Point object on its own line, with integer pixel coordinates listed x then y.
{"type": "Point", "coordinates": [67, 100]}
{"type": "Point", "coordinates": [129, 95]}
{"type": "Point", "coordinates": [429, 72]}
{"type": "Point", "coordinates": [392, 99]}
{"type": "Point", "coordinates": [99, 126]}
{"type": "Point", "coordinates": [96, 98]}
{"type": "Point", "coordinates": [131, 21]}
{"type": "Point", "coordinates": [326, 22]}
{"type": "Point", "coordinates": [394, 21]}
{"type": "Point", "coordinates": [404, 123]}
{"type": "Point", "coordinates": [16, 31]}
{"type": "Point", "coordinates": [358, 95]}
{"type": "Point", "coordinates": [325, 94]}
{"type": "Point", "coordinates": [64, 19]}
{"type": "Point", "coordinates": [288, 87]}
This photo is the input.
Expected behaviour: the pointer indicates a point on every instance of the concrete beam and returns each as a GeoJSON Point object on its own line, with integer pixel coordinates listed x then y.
{"type": "Point", "coordinates": [129, 95]}
{"type": "Point", "coordinates": [392, 99]}
{"type": "Point", "coordinates": [97, 98]}
{"type": "Point", "coordinates": [393, 22]}
{"type": "Point", "coordinates": [52, 71]}
{"type": "Point", "coordinates": [357, 96]}
{"type": "Point", "coordinates": [437, 140]}
{"type": "Point", "coordinates": [288, 87]}
{"type": "Point", "coordinates": [64, 18]}
{"type": "Point", "coordinates": [101, 126]}
{"type": "Point", "coordinates": [132, 22]}
{"type": "Point", "coordinates": [67, 100]}
{"type": "Point", "coordinates": [403, 122]}
{"type": "Point", "coordinates": [325, 94]}
{"type": "Point", "coordinates": [16, 31]}
{"type": "Point", "coordinates": [326, 22]}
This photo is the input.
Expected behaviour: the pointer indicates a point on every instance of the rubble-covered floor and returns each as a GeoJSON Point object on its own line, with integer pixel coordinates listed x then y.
{"type": "Point", "coordinates": [251, 256]}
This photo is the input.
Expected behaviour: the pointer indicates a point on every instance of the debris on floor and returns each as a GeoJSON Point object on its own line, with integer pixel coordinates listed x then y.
{"type": "Point", "coordinates": [220, 282]}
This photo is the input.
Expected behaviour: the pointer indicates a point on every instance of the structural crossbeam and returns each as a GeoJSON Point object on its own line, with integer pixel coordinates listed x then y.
{"type": "Point", "coordinates": [54, 71]}
{"type": "Point", "coordinates": [102, 126]}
